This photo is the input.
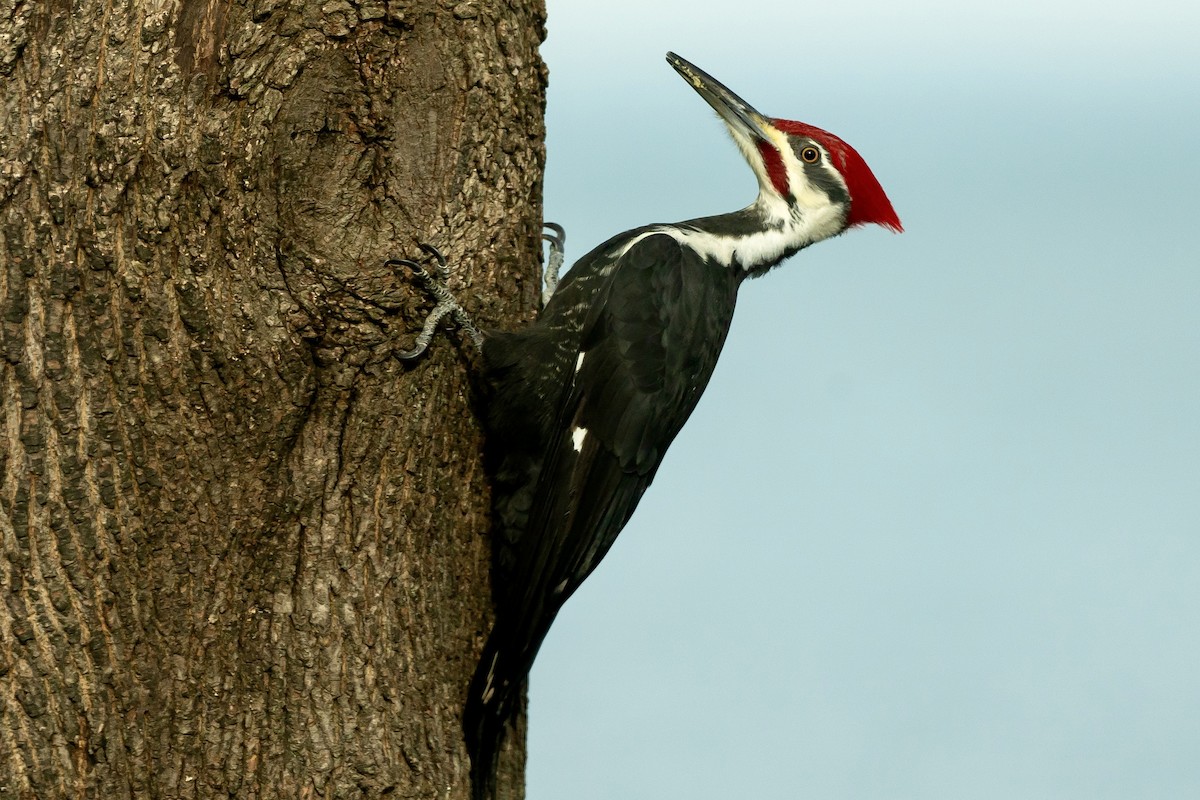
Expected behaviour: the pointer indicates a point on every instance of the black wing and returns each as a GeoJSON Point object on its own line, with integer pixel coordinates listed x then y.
{"type": "Point", "coordinates": [644, 351]}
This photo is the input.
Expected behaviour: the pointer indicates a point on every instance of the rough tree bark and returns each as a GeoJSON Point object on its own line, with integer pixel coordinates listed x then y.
{"type": "Point", "coordinates": [243, 550]}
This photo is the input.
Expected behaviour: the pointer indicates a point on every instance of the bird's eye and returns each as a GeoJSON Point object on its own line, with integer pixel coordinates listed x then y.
{"type": "Point", "coordinates": [810, 155]}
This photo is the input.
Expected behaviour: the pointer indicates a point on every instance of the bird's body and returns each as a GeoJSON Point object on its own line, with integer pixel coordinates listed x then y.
{"type": "Point", "coordinates": [582, 405]}
{"type": "Point", "coordinates": [625, 375]}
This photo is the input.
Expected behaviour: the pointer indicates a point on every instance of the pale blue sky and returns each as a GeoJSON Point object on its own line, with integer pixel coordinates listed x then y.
{"type": "Point", "coordinates": [934, 530]}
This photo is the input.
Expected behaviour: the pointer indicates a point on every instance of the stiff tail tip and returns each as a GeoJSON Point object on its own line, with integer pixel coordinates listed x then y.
{"type": "Point", "coordinates": [490, 706]}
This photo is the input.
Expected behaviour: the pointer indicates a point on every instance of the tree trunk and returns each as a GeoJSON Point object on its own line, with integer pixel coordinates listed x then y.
{"type": "Point", "coordinates": [243, 549]}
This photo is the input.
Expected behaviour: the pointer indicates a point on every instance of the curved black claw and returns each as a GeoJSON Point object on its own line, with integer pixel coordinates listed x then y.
{"type": "Point", "coordinates": [558, 244]}
{"type": "Point", "coordinates": [557, 237]}
{"type": "Point", "coordinates": [439, 260]}
{"type": "Point", "coordinates": [436, 286]}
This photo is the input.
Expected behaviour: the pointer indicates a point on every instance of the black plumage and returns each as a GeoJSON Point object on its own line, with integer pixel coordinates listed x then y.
{"type": "Point", "coordinates": [581, 407]}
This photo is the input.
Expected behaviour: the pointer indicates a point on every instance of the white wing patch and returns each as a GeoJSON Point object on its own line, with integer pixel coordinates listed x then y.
{"type": "Point", "coordinates": [577, 437]}
{"type": "Point", "coordinates": [579, 362]}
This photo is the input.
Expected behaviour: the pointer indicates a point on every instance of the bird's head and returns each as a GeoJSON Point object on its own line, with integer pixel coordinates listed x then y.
{"type": "Point", "coordinates": [813, 172]}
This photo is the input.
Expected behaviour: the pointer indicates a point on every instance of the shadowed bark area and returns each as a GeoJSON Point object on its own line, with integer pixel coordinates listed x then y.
{"type": "Point", "coordinates": [243, 550]}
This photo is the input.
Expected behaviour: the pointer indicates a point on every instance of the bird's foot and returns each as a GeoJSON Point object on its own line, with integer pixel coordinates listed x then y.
{"type": "Point", "coordinates": [436, 284]}
{"type": "Point", "coordinates": [558, 243]}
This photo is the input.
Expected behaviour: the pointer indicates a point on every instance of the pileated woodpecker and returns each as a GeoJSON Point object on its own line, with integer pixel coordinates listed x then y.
{"type": "Point", "coordinates": [582, 405]}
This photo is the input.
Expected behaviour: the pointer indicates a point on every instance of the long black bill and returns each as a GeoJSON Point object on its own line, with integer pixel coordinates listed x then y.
{"type": "Point", "coordinates": [736, 112]}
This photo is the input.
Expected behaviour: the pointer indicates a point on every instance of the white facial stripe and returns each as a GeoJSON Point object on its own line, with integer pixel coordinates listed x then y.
{"type": "Point", "coordinates": [807, 196]}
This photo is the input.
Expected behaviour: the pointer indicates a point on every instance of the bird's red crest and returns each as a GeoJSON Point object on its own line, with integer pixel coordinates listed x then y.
{"type": "Point", "coordinates": [868, 202]}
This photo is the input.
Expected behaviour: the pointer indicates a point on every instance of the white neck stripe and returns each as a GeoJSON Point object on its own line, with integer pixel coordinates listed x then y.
{"type": "Point", "coordinates": [785, 231]}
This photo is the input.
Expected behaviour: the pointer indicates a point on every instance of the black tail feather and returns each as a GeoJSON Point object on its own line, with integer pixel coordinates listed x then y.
{"type": "Point", "coordinates": [492, 701]}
